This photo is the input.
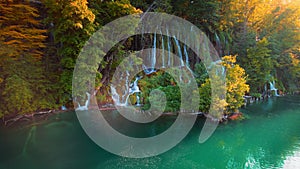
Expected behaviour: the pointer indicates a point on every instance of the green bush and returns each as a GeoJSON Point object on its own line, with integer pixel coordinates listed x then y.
{"type": "Point", "coordinates": [173, 98]}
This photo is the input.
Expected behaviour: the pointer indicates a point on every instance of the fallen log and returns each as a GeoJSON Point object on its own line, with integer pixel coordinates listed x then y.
{"type": "Point", "coordinates": [25, 116]}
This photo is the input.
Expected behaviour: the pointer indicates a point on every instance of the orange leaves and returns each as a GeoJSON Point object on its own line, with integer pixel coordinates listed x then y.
{"type": "Point", "coordinates": [19, 29]}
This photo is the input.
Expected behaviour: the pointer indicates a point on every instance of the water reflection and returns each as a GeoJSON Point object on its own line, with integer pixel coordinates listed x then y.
{"type": "Point", "coordinates": [270, 138]}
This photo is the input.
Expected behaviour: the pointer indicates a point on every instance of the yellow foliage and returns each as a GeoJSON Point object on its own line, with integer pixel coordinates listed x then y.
{"type": "Point", "coordinates": [19, 29]}
{"type": "Point", "coordinates": [78, 25]}
{"type": "Point", "coordinates": [235, 83]}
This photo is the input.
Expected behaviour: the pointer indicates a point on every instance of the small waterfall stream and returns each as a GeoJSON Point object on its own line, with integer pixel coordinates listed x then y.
{"type": "Point", "coordinates": [153, 58]}
{"type": "Point", "coordinates": [169, 49]}
{"type": "Point", "coordinates": [272, 87]}
{"type": "Point", "coordinates": [179, 51]}
{"type": "Point", "coordinates": [86, 105]}
{"type": "Point", "coordinates": [186, 55]}
{"type": "Point", "coordinates": [133, 89]}
{"type": "Point", "coordinates": [163, 50]}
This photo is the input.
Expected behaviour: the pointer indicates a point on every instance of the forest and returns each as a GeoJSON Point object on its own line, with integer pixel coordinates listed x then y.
{"type": "Point", "coordinates": [40, 40]}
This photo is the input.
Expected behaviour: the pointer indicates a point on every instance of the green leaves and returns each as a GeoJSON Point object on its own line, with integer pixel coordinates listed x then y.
{"type": "Point", "coordinates": [258, 64]}
{"type": "Point", "coordinates": [173, 98]}
{"type": "Point", "coordinates": [72, 24]}
{"type": "Point", "coordinates": [17, 95]}
{"type": "Point", "coordinates": [23, 84]}
{"type": "Point", "coordinates": [29, 71]}
{"type": "Point", "coordinates": [236, 88]}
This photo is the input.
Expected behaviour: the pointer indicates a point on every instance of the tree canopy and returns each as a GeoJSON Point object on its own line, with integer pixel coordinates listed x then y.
{"type": "Point", "coordinates": [40, 41]}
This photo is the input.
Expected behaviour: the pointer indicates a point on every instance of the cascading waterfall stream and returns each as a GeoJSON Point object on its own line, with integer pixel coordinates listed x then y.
{"type": "Point", "coordinates": [115, 95]}
{"type": "Point", "coordinates": [179, 51]}
{"type": "Point", "coordinates": [186, 55]}
{"type": "Point", "coordinates": [153, 58]}
{"type": "Point", "coordinates": [133, 88]}
{"type": "Point", "coordinates": [272, 87]}
{"type": "Point", "coordinates": [163, 50]}
{"type": "Point", "coordinates": [138, 100]}
{"type": "Point", "coordinates": [169, 49]}
{"type": "Point", "coordinates": [86, 105]}
{"type": "Point", "coordinates": [218, 43]}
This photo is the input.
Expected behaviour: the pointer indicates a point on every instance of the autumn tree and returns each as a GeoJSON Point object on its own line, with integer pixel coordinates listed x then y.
{"type": "Point", "coordinates": [21, 29]}
{"type": "Point", "coordinates": [70, 24]}
{"type": "Point", "coordinates": [22, 37]}
{"type": "Point", "coordinates": [235, 88]}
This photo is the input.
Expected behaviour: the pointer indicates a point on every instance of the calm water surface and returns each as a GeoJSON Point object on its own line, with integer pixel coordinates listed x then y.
{"type": "Point", "coordinates": [268, 138]}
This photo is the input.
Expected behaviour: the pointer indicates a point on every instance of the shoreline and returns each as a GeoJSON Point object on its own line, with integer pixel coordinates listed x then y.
{"type": "Point", "coordinates": [43, 115]}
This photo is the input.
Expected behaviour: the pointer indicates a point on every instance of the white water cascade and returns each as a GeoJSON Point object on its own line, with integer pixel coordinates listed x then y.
{"type": "Point", "coordinates": [122, 91]}
{"type": "Point", "coordinates": [272, 87]}
{"type": "Point", "coordinates": [138, 100]}
{"type": "Point", "coordinates": [186, 56]}
{"type": "Point", "coordinates": [86, 105]}
{"type": "Point", "coordinates": [179, 51]}
{"type": "Point", "coordinates": [148, 71]}
{"type": "Point", "coordinates": [152, 59]}
{"type": "Point", "coordinates": [132, 89]}
{"type": "Point", "coordinates": [163, 50]}
{"type": "Point", "coordinates": [115, 95]}
{"type": "Point", "coordinates": [169, 49]}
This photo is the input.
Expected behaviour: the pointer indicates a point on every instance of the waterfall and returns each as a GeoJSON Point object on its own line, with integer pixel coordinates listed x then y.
{"type": "Point", "coordinates": [218, 43]}
{"type": "Point", "coordinates": [180, 57]}
{"type": "Point", "coordinates": [163, 50]}
{"type": "Point", "coordinates": [179, 51]}
{"type": "Point", "coordinates": [115, 95]}
{"type": "Point", "coordinates": [169, 49]}
{"type": "Point", "coordinates": [149, 57]}
{"type": "Point", "coordinates": [63, 107]}
{"type": "Point", "coordinates": [122, 90]}
{"type": "Point", "coordinates": [153, 60]}
{"type": "Point", "coordinates": [129, 90]}
{"type": "Point", "coordinates": [134, 88]}
{"type": "Point", "coordinates": [148, 71]}
{"type": "Point", "coordinates": [186, 56]}
{"type": "Point", "coordinates": [86, 105]}
{"type": "Point", "coordinates": [138, 100]}
{"type": "Point", "coordinates": [272, 87]}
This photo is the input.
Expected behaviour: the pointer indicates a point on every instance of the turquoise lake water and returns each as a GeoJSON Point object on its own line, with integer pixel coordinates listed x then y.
{"type": "Point", "coordinates": [268, 138]}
